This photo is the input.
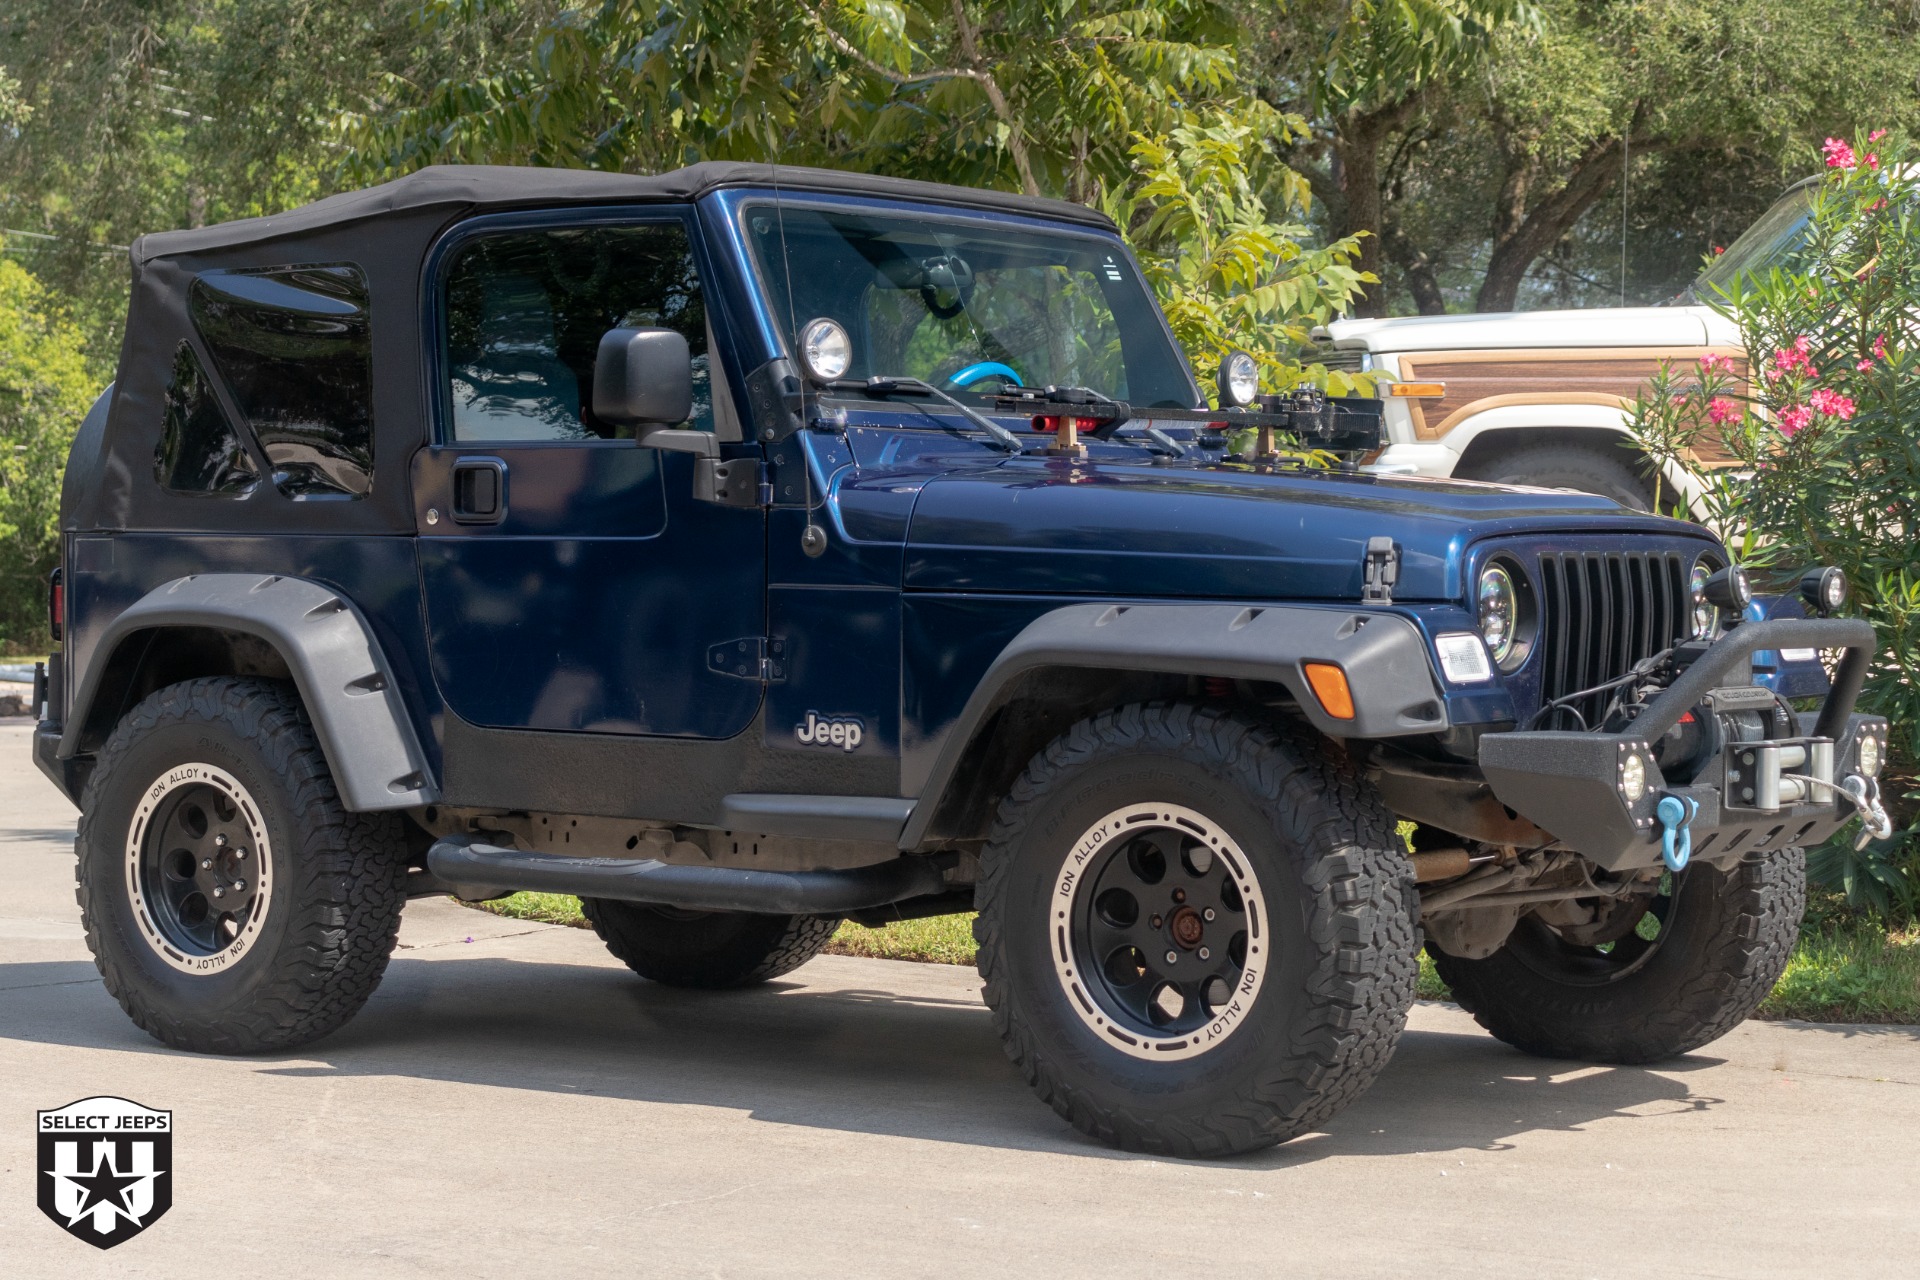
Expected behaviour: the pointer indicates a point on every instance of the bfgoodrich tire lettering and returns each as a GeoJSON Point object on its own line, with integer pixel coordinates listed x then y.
{"type": "Point", "coordinates": [1723, 940]}
{"type": "Point", "coordinates": [1338, 896]}
{"type": "Point", "coordinates": [328, 884]}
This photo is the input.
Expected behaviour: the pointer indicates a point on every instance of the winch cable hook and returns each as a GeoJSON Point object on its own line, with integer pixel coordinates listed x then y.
{"type": "Point", "coordinates": [1676, 814]}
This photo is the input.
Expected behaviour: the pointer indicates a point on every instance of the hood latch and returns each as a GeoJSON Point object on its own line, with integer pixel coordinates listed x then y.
{"type": "Point", "coordinates": [1379, 571]}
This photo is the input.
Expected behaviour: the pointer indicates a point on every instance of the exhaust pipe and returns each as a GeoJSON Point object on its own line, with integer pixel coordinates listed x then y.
{"type": "Point", "coordinates": [468, 865]}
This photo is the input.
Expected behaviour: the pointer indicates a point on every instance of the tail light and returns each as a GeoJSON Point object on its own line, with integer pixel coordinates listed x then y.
{"type": "Point", "coordinates": [56, 606]}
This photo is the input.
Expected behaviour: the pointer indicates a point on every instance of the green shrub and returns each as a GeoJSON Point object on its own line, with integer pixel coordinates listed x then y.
{"type": "Point", "coordinates": [44, 392]}
{"type": "Point", "coordinates": [1825, 426]}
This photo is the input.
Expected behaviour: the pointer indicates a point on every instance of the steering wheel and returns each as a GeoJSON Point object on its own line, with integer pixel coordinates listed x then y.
{"type": "Point", "coordinates": [985, 369]}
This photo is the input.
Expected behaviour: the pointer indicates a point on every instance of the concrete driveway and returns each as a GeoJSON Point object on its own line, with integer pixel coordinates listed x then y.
{"type": "Point", "coordinates": [513, 1102]}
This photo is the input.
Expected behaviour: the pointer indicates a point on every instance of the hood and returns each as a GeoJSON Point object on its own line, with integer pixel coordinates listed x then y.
{"type": "Point", "coordinates": [1060, 527]}
{"type": "Point", "coordinates": [1593, 327]}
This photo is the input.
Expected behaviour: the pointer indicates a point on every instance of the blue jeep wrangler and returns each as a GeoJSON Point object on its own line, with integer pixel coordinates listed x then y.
{"type": "Point", "coordinates": [745, 550]}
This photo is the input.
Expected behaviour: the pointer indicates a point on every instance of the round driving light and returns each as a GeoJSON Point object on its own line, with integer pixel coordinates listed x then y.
{"type": "Point", "coordinates": [1823, 588]}
{"type": "Point", "coordinates": [825, 349]}
{"type": "Point", "coordinates": [1729, 590]}
{"type": "Point", "coordinates": [1498, 605]}
{"type": "Point", "coordinates": [1633, 778]}
{"type": "Point", "coordinates": [1239, 380]}
{"type": "Point", "coordinates": [1869, 756]}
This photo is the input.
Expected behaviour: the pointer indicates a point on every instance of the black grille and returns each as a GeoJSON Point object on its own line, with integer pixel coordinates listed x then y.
{"type": "Point", "coordinates": [1601, 612]}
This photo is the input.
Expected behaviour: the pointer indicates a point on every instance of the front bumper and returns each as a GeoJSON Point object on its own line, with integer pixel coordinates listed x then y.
{"type": "Point", "coordinates": [1572, 784]}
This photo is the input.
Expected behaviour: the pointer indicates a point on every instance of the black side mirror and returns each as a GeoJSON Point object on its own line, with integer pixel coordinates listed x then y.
{"type": "Point", "coordinates": [642, 378]}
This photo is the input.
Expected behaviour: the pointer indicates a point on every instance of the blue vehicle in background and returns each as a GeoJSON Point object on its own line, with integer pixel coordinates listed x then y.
{"type": "Point", "coordinates": [748, 550]}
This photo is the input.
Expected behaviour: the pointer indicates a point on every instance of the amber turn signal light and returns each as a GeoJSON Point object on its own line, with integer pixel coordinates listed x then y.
{"type": "Point", "coordinates": [1330, 686]}
{"type": "Point", "coordinates": [1417, 390]}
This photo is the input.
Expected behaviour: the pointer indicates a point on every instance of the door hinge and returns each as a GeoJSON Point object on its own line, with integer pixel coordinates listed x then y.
{"type": "Point", "coordinates": [737, 482]}
{"type": "Point", "coordinates": [1379, 571]}
{"type": "Point", "coordinates": [754, 658]}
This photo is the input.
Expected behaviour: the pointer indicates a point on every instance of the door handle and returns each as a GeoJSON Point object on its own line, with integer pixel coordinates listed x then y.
{"type": "Point", "coordinates": [479, 490]}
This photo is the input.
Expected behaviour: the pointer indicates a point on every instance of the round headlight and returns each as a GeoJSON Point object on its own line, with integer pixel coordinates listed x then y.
{"type": "Point", "coordinates": [1706, 618]}
{"type": "Point", "coordinates": [1239, 380]}
{"type": "Point", "coordinates": [1869, 756]}
{"type": "Point", "coordinates": [825, 349]}
{"type": "Point", "coordinates": [1498, 603]}
{"type": "Point", "coordinates": [1633, 778]}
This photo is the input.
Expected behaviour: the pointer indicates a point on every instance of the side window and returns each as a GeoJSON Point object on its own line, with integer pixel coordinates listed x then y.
{"type": "Point", "coordinates": [199, 451]}
{"type": "Point", "coordinates": [525, 312]}
{"type": "Point", "coordinates": [295, 347]}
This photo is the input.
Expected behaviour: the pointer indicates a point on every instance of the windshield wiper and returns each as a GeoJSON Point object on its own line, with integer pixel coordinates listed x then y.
{"type": "Point", "coordinates": [882, 387]}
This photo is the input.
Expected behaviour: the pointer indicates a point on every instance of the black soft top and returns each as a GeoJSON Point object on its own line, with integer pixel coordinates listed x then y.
{"type": "Point", "coordinates": [476, 187]}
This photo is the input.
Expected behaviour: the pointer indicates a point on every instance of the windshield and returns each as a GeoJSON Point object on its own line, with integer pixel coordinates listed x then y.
{"type": "Point", "coordinates": [970, 308]}
{"type": "Point", "coordinates": [1763, 245]}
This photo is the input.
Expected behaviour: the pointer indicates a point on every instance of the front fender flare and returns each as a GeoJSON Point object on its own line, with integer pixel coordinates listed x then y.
{"type": "Point", "coordinates": [342, 675]}
{"type": "Point", "coordinates": [1384, 655]}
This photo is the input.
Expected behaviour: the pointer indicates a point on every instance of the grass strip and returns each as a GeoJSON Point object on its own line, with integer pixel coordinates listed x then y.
{"type": "Point", "coordinates": [1841, 971]}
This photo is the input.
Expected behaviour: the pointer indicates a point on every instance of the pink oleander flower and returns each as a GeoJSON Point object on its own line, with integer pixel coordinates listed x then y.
{"type": "Point", "coordinates": [1711, 362]}
{"type": "Point", "coordinates": [1872, 161]}
{"type": "Point", "coordinates": [1792, 359]}
{"type": "Point", "coordinates": [1839, 154]}
{"type": "Point", "coordinates": [1876, 135]}
{"type": "Point", "coordinates": [1719, 249]}
{"type": "Point", "coordinates": [1831, 403]}
{"type": "Point", "coordinates": [1721, 410]}
{"type": "Point", "coordinates": [1794, 420]}
{"type": "Point", "coordinates": [1880, 346]}
{"type": "Point", "coordinates": [1864, 366]}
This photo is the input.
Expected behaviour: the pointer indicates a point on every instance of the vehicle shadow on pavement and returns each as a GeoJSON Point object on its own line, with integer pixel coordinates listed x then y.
{"type": "Point", "coordinates": [868, 1061]}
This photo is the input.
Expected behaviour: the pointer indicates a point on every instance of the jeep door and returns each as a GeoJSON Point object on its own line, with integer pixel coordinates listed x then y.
{"type": "Point", "coordinates": [571, 580]}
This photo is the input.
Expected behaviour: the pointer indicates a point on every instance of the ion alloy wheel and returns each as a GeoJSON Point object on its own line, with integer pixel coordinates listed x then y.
{"type": "Point", "coordinates": [1196, 929]}
{"type": "Point", "coordinates": [199, 868]}
{"type": "Point", "coordinates": [231, 902]}
{"type": "Point", "coordinates": [1704, 955]}
{"type": "Point", "coordinates": [1157, 937]}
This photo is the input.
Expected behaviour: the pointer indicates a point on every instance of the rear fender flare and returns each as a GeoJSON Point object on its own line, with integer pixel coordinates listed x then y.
{"type": "Point", "coordinates": [342, 675]}
{"type": "Point", "coordinates": [1391, 676]}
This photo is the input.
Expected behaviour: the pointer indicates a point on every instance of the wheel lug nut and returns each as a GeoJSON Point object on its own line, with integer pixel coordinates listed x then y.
{"type": "Point", "coordinates": [1205, 954]}
{"type": "Point", "coordinates": [241, 853]}
{"type": "Point", "coordinates": [1156, 922]}
{"type": "Point", "coordinates": [206, 864]}
{"type": "Point", "coordinates": [1207, 914]}
{"type": "Point", "coordinates": [239, 886]}
{"type": "Point", "coordinates": [1179, 895]}
{"type": "Point", "coordinates": [219, 842]}
{"type": "Point", "coordinates": [219, 893]}
{"type": "Point", "coordinates": [1173, 957]}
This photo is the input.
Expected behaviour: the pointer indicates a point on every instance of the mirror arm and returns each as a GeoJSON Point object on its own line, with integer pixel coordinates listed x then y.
{"type": "Point", "coordinates": [703, 443]}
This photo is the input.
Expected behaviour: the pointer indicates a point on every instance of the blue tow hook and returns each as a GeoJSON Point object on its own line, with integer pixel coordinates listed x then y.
{"type": "Point", "coordinates": [1676, 814]}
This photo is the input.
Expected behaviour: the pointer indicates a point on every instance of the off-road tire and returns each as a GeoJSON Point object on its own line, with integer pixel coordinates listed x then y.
{"type": "Point", "coordinates": [1726, 942]}
{"type": "Point", "coordinates": [339, 877]}
{"type": "Point", "coordinates": [708, 950]}
{"type": "Point", "coordinates": [1339, 897]}
{"type": "Point", "coordinates": [1607, 471]}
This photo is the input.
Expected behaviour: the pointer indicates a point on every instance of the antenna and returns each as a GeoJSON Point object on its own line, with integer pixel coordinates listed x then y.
{"type": "Point", "coordinates": [813, 538]}
{"type": "Point", "coordinates": [1626, 153]}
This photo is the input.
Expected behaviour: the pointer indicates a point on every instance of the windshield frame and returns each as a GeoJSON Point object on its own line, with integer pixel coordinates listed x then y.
{"type": "Point", "coordinates": [738, 204]}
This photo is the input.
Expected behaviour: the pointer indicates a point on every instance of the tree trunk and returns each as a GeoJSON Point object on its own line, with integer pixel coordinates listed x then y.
{"type": "Point", "coordinates": [1423, 281]}
{"type": "Point", "coordinates": [1357, 144]}
{"type": "Point", "coordinates": [1523, 230]}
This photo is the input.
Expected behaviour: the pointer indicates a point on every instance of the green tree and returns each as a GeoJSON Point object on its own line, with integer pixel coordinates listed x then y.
{"type": "Point", "coordinates": [44, 391]}
{"type": "Point", "coordinates": [1024, 96]}
{"type": "Point", "coordinates": [1228, 274]}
